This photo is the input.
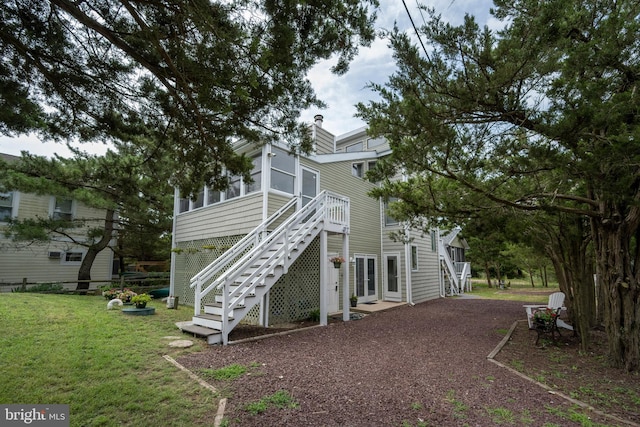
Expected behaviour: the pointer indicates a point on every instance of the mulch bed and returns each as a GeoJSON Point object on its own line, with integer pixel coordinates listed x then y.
{"type": "Point", "coordinates": [424, 365]}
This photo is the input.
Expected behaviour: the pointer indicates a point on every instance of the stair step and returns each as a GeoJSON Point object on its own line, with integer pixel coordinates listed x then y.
{"type": "Point", "coordinates": [213, 336]}
{"type": "Point", "coordinates": [208, 316]}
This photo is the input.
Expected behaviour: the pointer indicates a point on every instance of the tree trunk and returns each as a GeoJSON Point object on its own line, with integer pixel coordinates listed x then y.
{"type": "Point", "coordinates": [84, 273]}
{"type": "Point", "coordinates": [488, 273]}
{"type": "Point", "coordinates": [533, 285]}
{"type": "Point", "coordinates": [569, 253]}
{"type": "Point", "coordinates": [618, 255]}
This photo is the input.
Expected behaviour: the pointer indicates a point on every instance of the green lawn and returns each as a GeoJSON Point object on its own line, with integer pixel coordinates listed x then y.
{"type": "Point", "coordinates": [518, 291]}
{"type": "Point", "coordinates": [107, 366]}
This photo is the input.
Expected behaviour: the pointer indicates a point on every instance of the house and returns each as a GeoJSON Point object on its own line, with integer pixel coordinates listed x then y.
{"type": "Point", "coordinates": [54, 262]}
{"type": "Point", "coordinates": [453, 249]}
{"type": "Point", "coordinates": [260, 252]}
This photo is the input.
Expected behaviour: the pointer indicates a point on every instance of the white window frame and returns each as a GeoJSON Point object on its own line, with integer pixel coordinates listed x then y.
{"type": "Point", "coordinates": [15, 196]}
{"type": "Point", "coordinates": [276, 151]}
{"type": "Point", "coordinates": [53, 203]}
{"type": "Point", "coordinates": [65, 254]}
{"type": "Point", "coordinates": [357, 169]}
{"type": "Point", "coordinates": [187, 205]}
{"type": "Point", "coordinates": [414, 258]}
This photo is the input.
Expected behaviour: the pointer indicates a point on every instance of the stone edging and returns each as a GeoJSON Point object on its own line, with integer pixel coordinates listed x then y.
{"type": "Point", "coordinates": [502, 343]}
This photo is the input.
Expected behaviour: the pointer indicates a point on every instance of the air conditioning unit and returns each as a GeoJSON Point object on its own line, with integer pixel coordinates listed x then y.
{"type": "Point", "coordinates": [55, 255]}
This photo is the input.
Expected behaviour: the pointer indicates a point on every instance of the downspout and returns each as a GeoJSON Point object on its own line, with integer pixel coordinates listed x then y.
{"type": "Point", "coordinates": [407, 264]}
{"type": "Point", "coordinates": [440, 278]}
{"type": "Point", "coordinates": [176, 204]}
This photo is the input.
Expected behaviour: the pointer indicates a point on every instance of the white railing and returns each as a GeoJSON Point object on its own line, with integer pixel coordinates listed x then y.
{"type": "Point", "coordinates": [326, 207]}
{"type": "Point", "coordinates": [226, 259]}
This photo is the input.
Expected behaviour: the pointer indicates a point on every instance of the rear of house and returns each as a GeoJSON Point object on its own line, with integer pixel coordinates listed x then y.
{"type": "Point", "coordinates": [377, 267]}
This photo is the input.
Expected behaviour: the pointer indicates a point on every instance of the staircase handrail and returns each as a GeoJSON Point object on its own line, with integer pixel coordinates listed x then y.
{"type": "Point", "coordinates": [444, 255]}
{"type": "Point", "coordinates": [240, 246]}
{"type": "Point", "coordinates": [290, 241]}
{"type": "Point", "coordinates": [298, 216]}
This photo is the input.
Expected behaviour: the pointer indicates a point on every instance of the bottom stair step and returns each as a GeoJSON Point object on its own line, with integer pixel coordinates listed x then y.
{"type": "Point", "coordinates": [213, 336]}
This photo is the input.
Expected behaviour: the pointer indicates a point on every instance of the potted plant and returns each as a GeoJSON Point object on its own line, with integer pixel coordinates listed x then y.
{"type": "Point", "coordinates": [110, 293]}
{"type": "Point", "coordinates": [141, 300]}
{"type": "Point", "coordinates": [125, 295]}
{"type": "Point", "coordinates": [545, 320]}
{"type": "Point", "coordinates": [337, 261]}
{"type": "Point", "coordinates": [354, 300]}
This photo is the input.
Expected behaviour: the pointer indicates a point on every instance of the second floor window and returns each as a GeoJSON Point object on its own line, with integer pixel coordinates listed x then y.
{"type": "Point", "coordinates": [283, 170]}
{"type": "Point", "coordinates": [6, 206]}
{"type": "Point", "coordinates": [63, 209]}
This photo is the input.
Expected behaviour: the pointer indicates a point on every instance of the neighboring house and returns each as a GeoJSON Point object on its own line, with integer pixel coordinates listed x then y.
{"type": "Point", "coordinates": [53, 262]}
{"type": "Point", "coordinates": [454, 248]}
{"type": "Point", "coordinates": [260, 252]}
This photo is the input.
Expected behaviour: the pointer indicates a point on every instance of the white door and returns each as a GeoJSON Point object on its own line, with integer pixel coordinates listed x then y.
{"type": "Point", "coordinates": [333, 278]}
{"type": "Point", "coordinates": [392, 291]}
{"type": "Point", "coordinates": [365, 278]}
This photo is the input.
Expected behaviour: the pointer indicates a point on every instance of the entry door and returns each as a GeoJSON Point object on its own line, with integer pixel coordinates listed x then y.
{"type": "Point", "coordinates": [365, 278]}
{"type": "Point", "coordinates": [333, 278]}
{"type": "Point", "coordinates": [392, 291]}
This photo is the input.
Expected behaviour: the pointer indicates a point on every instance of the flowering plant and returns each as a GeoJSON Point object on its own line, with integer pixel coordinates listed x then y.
{"type": "Point", "coordinates": [337, 259]}
{"type": "Point", "coordinates": [111, 293]}
{"type": "Point", "coordinates": [544, 316]}
{"type": "Point", "coordinates": [126, 294]}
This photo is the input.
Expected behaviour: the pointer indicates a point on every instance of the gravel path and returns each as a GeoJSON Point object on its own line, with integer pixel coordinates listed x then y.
{"type": "Point", "coordinates": [424, 365]}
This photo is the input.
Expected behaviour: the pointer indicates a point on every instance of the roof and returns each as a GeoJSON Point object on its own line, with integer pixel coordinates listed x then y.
{"type": "Point", "coordinates": [450, 236]}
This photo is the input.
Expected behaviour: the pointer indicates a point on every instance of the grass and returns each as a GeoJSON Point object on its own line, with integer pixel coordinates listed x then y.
{"type": "Point", "coordinates": [281, 399]}
{"type": "Point", "coordinates": [518, 291]}
{"type": "Point", "coordinates": [108, 367]}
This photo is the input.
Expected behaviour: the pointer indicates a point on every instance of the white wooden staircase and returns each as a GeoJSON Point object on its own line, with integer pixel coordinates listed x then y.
{"type": "Point", "coordinates": [243, 275]}
{"type": "Point", "coordinates": [456, 276]}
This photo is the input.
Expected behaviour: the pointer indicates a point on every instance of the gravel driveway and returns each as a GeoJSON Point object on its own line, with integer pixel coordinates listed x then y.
{"type": "Point", "coordinates": [424, 365]}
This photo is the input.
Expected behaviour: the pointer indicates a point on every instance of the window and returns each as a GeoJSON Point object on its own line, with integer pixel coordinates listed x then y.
{"type": "Point", "coordinates": [213, 196]}
{"type": "Point", "coordinates": [371, 165]}
{"type": "Point", "coordinates": [433, 241]}
{"type": "Point", "coordinates": [357, 169]}
{"type": "Point", "coordinates": [256, 176]}
{"type": "Point", "coordinates": [63, 209]}
{"type": "Point", "coordinates": [233, 190]}
{"type": "Point", "coordinates": [414, 258]}
{"type": "Point", "coordinates": [184, 205]}
{"type": "Point", "coordinates": [72, 257]}
{"type": "Point", "coordinates": [6, 206]}
{"type": "Point", "coordinates": [200, 200]}
{"type": "Point", "coordinates": [359, 146]}
{"type": "Point", "coordinates": [365, 276]}
{"type": "Point", "coordinates": [375, 142]}
{"type": "Point", "coordinates": [283, 172]}
{"type": "Point", "coordinates": [388, 219]}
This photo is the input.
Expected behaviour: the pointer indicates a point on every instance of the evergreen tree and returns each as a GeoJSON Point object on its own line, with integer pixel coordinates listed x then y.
{"type": "Point", "coordinates": [199, 73]}
{"type": "Point", "coordinates": [539, 116]}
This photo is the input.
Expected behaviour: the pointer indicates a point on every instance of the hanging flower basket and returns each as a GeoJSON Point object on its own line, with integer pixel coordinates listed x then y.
{"type": "Point", "coordinates": [337, 261]}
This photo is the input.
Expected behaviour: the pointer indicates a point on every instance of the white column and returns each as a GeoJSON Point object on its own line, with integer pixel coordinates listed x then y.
{"type": "Point", "coordinates": [345, 278]}
{"type": "Point", "coordinates": [323, 277]}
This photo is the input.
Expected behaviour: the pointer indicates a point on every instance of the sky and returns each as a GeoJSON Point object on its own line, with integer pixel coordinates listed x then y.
{"type": "Point", "coordinates": [341, 93]}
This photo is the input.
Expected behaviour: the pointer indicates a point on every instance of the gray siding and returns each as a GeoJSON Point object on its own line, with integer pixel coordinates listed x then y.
{"type": "Point", "coordinates": [32, 262]}
{"type": "Point", "coordinates": [323, 141]}
{"type": "Point", "coordinates": [235, 216]}
{"type": "Point", "coordinates": [364, 235]}
{"type": "Point", "coordinates": [425, 281]}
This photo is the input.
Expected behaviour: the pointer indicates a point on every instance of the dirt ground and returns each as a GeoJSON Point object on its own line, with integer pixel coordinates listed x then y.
{"type": "Point", "coordinates": [422, 365]}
